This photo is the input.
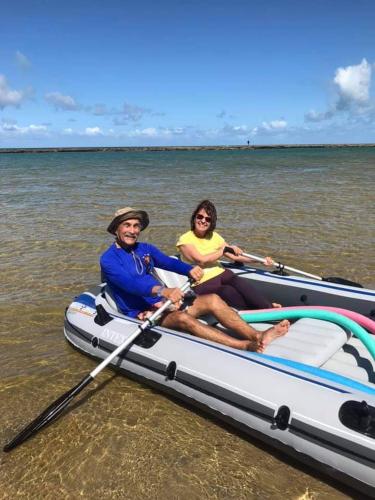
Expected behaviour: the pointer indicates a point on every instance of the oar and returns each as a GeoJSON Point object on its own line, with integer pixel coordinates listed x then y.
{"type": "Point", "coordinates": [55, 409]}
{"type": "Point", "coordinates": [281, 267]}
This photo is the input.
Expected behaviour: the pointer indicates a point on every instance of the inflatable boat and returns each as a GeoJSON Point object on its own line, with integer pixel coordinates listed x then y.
{"type": "Point", "coordinates": [303, 291]}
{"type": "Point", "coordinates": [310, 394]}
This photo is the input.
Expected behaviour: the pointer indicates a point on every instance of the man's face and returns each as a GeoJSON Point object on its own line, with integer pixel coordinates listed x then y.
{"type": "Point", "coordinates": [128, 231]}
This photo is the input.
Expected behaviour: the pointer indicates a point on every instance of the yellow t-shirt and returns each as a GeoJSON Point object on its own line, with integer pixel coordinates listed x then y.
{"type": "Point", "coordinates": [204, 246]}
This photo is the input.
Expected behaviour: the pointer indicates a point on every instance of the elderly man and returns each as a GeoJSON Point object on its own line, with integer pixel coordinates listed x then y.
{"type": "Point", "coordinates": [127, 267]}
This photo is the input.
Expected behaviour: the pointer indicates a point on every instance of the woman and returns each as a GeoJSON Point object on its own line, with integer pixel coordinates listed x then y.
{"type": "Point", "coordinates": [203, 246]}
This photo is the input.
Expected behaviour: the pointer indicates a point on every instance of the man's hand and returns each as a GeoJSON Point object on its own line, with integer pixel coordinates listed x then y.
{"type": "Point", "coordinates": [196, 273]}
{"type": "Point", "coordinates": [173, 294]}
{"type": "Point", "coordinates": [144, 315]}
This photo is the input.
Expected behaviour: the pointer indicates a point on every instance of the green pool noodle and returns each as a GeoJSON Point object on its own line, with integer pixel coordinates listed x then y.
{"type": "Point", "coordinates": [275, 315]}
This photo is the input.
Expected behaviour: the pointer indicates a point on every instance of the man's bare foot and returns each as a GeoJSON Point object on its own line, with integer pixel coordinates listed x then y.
{"type": "Point", "coordinates": [276, 305]}
{"type": "Point", "coordinates": [273, 333]}
{"type": "Point", "coordinates": [251, 345]}
{"type": "Point", "coordinates": [243, 345]}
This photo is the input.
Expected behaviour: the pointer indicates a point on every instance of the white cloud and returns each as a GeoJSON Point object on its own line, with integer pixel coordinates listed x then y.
{"type": "Point", "coordinates": [11, 128]}
{"type": "Point", "coordinates": [274, 125]}
{"type": "Point", "coordinates": [148, 132]}
{"type": "Point", "coordinates": [316, 116]}
{"type": "Point", "coordinates": [9, 97]}
{"type": "Point", "coordinates": [22, 61]}
{"type": "Point", "coordinates": [92, 131]}
{"type": "Point", "coordinates": [235, 130]}
{"type": "Point", "coordinates": [61, 101]}
{"type": "Point", "coordinates": [354, 83]}
{"type": "Point", "coordinates": [153, 132]}
{"type": "Point", "coordinates": [37, 128]}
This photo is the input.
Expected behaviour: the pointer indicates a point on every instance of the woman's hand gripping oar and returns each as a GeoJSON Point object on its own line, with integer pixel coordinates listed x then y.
{"type": "Point", "coordinates": [281, 267]}
{"type": "Point", "coordinates": [55, 409]}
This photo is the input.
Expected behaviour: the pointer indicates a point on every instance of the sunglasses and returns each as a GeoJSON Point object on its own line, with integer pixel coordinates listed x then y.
{"type": "Point", "coordinates": [203, 218]}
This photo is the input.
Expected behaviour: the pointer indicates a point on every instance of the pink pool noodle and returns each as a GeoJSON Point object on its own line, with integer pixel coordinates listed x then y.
{"type": "Point", "coordinates": [367, 323]}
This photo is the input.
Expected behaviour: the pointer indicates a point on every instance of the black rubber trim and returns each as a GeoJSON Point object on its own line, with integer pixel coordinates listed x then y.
{"type": "Point", "coordinates": [226, 396]}
{"type": "Point", "coordinates": [212, 390]}
{"type": "Point", "coordinates": [134, 357]}
{"type": "Point", "coordinates": [348, 448]}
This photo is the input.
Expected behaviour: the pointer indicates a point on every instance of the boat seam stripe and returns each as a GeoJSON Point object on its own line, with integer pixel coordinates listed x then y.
{"type": "Point", "coordinates": [326, 438]}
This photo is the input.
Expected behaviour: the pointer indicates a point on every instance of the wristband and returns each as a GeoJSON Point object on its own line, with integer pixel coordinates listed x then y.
{"type": "Point", "coordinates": [160, 291]}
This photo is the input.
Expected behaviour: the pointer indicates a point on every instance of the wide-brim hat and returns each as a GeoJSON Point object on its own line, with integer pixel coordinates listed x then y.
{"type": "Point", "coordinates": [126, 213]}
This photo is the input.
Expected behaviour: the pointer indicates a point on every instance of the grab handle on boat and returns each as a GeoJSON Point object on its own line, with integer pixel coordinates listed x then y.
{"type": "Point", "coordinates": [276, 315]}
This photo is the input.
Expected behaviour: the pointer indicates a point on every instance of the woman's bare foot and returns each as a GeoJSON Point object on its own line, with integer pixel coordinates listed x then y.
{"type": "Point", "coordinates": [273, 333]}
{"type": "Point", "coordinates": [276, 305]}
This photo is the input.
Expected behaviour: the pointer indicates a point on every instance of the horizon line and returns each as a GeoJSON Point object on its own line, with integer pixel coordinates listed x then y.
{"type": "Point", "coordinates": [176, 148]}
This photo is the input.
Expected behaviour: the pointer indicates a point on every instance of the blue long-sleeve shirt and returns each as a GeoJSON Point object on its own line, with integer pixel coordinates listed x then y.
{"type": "Point", "coordinates": [127, 272]}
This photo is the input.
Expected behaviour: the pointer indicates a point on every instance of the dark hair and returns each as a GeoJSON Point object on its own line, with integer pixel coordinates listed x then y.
{"type": "Point", "coordinates": [209, 207]}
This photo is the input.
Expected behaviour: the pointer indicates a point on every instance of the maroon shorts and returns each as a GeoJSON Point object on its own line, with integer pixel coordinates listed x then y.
{"type": "Point", "coordinates": [235, 291]}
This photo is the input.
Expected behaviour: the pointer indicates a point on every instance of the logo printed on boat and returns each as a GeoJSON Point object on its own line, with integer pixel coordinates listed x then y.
{"type": "Point", "coordinates": [114, 337]}
{"type": "Point", "coordinates": [82, 308]}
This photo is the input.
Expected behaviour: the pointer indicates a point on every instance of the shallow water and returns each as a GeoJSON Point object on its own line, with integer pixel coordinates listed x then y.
{"type": "Point", "coordinates": [311, 209]}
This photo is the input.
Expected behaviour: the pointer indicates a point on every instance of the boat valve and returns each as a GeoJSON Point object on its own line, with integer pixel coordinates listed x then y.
{"type": "Point", "coordinates": [281, 419]}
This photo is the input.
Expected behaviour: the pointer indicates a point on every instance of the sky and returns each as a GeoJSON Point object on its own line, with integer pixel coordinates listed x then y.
{"type": "Point", "coordinates": [186, 72]}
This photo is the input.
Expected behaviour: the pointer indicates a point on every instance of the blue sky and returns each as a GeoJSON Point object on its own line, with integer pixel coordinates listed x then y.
{"type": "Point", "coordinates": [163, 72]}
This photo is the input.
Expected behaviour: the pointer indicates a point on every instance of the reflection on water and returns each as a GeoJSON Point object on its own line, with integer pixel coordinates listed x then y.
{"type": "Point", "coordinates": [309, 209]}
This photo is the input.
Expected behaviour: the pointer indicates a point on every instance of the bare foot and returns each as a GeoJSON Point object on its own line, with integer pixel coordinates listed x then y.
{"type": "Point", "coordinates": [276, 305]}
{"type": "Point", "coordinates": [243, 345]}
{"type": "Point", "coordinates": [251, 345]}
{"type": "Point", "coordinates": [273, 333]}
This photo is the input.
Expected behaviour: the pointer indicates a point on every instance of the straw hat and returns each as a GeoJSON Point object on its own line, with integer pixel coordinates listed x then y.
{"type": "Point", "coordinates": [128, 213]}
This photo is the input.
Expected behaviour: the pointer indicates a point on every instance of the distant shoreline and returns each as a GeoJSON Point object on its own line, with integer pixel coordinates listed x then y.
{"type": "Point", "coordinates": [179, 148]}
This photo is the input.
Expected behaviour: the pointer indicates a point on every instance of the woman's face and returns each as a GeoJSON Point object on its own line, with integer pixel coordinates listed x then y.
{"type": "Point", "coordinates": [202, 222]}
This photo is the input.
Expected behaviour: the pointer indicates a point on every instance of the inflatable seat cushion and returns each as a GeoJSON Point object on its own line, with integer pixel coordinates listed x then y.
{"type": "Point", "coordinates": [309, 341]}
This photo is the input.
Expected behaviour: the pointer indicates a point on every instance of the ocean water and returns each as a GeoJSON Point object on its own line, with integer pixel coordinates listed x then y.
{"type": "Point", "coordinates": [312, 209]}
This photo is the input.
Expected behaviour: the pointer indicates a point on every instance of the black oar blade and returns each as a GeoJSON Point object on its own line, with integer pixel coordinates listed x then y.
{"type": "Point", "coordinates": [343, 281]}
{"type": "Point", "coordinates": [49, 414]}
